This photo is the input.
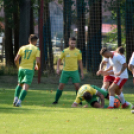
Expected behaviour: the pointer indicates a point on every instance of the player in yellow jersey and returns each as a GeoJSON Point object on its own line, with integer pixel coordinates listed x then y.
{"type": "Point", "coordinates": [90, 93]}
{"type": "Point", "coordinates": [30, 59]}
{"type": "Point", "coordinates": [72, 57]}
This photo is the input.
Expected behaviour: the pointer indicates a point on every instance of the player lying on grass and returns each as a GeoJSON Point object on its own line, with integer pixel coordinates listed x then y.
{"type": "Point", "coordinates": [90, 93]}
{"type": "Point", "coordinates": [119, 66]}
{"type": "Point", "coordinates": [30, 56]}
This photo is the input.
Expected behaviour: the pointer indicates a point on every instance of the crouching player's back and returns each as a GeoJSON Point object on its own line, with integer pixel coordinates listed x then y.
{"type": "Point", "coordinates": [30, 60]}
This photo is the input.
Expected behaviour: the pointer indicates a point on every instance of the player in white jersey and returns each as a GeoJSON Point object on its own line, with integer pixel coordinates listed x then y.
{"type": "Point", "coordinates": [107, 80]}
{"type": "Point", "coordinates": [131, 65]}
{"type": "Point", "coordinates": [119, 66]}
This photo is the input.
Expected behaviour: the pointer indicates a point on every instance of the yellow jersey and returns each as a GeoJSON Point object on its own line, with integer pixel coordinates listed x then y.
{"type": "Point", "coordinates": [84, 88]}
{"type": "Point", "coordinates": [71, 58]}
{"type": "Point", "coordinates": [28, 55]}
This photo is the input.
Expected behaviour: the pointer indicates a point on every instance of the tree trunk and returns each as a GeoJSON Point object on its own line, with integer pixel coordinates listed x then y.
{"type": "Point", "coordinates": [67, 21]}
{"type": "Point", "coordinates": [47, 35]}
{"type": "Point", "coordinates": [24, 22]}
{"type": "Point", "coordinates": [129, 28]}
{"type": "Point", "coordinates": [119, 22]}
{"type": "Point", "coordinates": [94, 35]}
{"type": "Point", "coordinates": [8, 34]}
{"type": "Point", "coordinates": [31, 19]}
{"type": "Point", "coordinates": [81, 29]}
{"type": "Point", "coordinates": [16, 27]}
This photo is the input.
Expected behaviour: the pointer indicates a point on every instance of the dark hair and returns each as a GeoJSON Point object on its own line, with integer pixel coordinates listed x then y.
{"type": "Point", "coordinates": [87, 96]}
{"type": "Point", "coordinates": [33, 37]}
{"type": "Point", "coordinates": [120, 50]}
{"type": "Point", "coordinates": [72, 38]}
{"type": "Point", "coordinates": [103, 50]}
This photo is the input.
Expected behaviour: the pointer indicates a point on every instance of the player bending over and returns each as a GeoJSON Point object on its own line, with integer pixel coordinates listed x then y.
{"type": "Point", "coordinates": [90, 93]}
{"type": "Point", "coordinates": [30, 56]}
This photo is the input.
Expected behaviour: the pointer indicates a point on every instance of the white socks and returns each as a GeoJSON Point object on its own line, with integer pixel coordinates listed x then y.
{"type": "Point", "coordinates": [111, 101]}
{"type": "Point", "coordinates": [15, 99]}
{"type": "Point", "coordinates": [104, 89]}
{"type": "Point", "coordinates": [122, 99]}
{"type": "Point", "coordinates": [19, 101]}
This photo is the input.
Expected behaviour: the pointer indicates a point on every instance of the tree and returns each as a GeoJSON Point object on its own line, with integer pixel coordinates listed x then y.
{"type": "Point", "coordinates": [94, 35]}
{"type": "Point", "coordinates": [16, 25]}
{"type": "Point", "coordinates": [67, 4]}
{"type": "Point", "coordinates": [129, 28]}
{"type": "Point", "coordinates": [8, 33]}
{"type": "Point", "coordinates": [81, 28]}
{"type": "Point", "coordinates": [47, 35]}
{"type": "Point", "coordinates": [25, 7]}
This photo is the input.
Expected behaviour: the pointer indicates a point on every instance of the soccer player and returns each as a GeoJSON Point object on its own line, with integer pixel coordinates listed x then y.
{"type": "Point", "coordinates": [121, 75]}
{"type": "Point", "coordinates": [30, 60]}
{"type": "Point", "coordinates": [72, 56]}
{"type": "Point", "coordinates": [90, 93]}
{"type": "Point", "coordinates": [131, 65]}
{"type": "Point", "coordinates": [107, 80]}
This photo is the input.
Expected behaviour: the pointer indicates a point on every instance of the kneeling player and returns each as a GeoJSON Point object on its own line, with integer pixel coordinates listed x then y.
{"type": "Point", "coordinates": [90, 93]}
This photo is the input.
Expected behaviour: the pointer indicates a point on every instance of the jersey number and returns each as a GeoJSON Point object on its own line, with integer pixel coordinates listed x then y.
{"type": "Point", "coordinates": [27, 54]}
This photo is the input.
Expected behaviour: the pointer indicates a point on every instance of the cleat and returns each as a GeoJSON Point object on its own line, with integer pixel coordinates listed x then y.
{"type": "Point", "coordinates": [110, 107]}
{"type": "Point", "coordinates": [55, 102]}
{"type": "Point", "coordinates": [18, 105]}
{"type": "Point", "coordinates": [125, 105]}
{"type": "Point", "coordinates": [14, 103]}
{"type": "Point", "coordinates": [130, 106]}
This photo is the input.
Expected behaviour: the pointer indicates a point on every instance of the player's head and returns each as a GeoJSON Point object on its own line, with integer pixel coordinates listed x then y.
{"type": "Point", "coordinates": [105, 52]}
{"type": "Point", "coordinates": [120, 50]}
{"type": "Point", "coordinates": [87, 96]}
{"type": "Point", "coordinates": [33, 39]}
{"type": "Point", "coordinates": [72, 42]}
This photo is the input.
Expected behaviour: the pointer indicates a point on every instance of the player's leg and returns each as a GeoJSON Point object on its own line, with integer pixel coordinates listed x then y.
{"type": "Point", "coordinates": [63, 80]}
{"type": "Point", "coordinates": [75, 79]}
{"type": "Point", "coordinates": [19, 86]}
{"type": "Point", "coordinates": [59, 93]}
{"type": "Point", "coordinates": [27, 82]}
{"type": "Point", "coordinates": [111, 90]}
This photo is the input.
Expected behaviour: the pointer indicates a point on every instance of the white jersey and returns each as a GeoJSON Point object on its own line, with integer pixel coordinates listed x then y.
{"type": "Point", "coordinates": [132, 59]}
{"type": "Point", "coordinates": [117, 61]}
{"type": "Point", "coordinates": [108, 64]}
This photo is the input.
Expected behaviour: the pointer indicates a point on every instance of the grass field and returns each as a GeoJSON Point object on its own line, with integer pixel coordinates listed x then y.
{"type": "Point", "coordinates": [38, 116]}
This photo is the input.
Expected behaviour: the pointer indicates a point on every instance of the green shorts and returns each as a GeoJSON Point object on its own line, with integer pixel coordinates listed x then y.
{"type": "Point", "coordinates": [74, 75]}
{"type": "Point", "coordinates": [25, 76]}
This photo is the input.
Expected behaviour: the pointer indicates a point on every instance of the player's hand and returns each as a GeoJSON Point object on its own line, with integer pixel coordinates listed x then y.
{"type": "Point", "coordinates": [74, 105]}
{"type": "Point", "coordinates": [85, 106]}
{"type": "Point", "coordinates": [58, 71]}
{"type": "Point", "coordinates": [99, 72]}
{"type": "Point", "coordinates": [82, 75]}
{"type": "Point", "coordinates": [36, 67]}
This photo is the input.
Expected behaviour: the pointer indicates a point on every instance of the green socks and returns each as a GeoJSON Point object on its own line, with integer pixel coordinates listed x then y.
{"type": "Point", "coordinates": [58, 95]}
{"type": "Point", "coordinates": [23, 95]}
{"type": "Point", "coordinates": [76, 92]}
{"type": "Point", "coordinates": [17, 91]}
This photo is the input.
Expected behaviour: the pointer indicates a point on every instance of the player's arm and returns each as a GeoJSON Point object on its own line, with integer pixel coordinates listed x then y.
{"type": "Point", "coordinates": [101, 67]}
{"type": "Point", "coordinates": [124, 66]}
{"type": "Point", "coordinates": [37, 63]}
{"type": "Point", "coordinates": [101, 98]}
{"type": "Point", "coordinates": [77, 101]}
{"type": "Point", "coordinates": [81, 68]}
{"type": "Point", "coordinates": [16, 60]}
{"type": "Point", "coordinates": [58, 65]}
{"type": "Point", "coordinates": [131, 64]}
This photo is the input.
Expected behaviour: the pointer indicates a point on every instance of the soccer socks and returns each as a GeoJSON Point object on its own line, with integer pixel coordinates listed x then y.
{"type": "Point", "coordinates": [111, 101]}
{"type": "Point", "coordinates": [23, 95]}
{"type": "Point", "coordinates": [17, 91]}
{"type": "Point", "coordinates": [58, 95]}
{"type": "Point", "coordinates": [76, 92]}
{"type": "Point", "coordinates": [122, 99]}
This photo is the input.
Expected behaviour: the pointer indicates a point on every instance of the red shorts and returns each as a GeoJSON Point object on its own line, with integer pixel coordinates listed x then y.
{"type": "Point", "coordinates": [120, 81]}
{"type": "Point", "coordinates": [108, 79]}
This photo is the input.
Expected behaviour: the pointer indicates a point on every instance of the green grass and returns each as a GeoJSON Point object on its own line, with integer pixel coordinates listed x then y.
{"type": "Point", "coordinates": [38, 116]}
